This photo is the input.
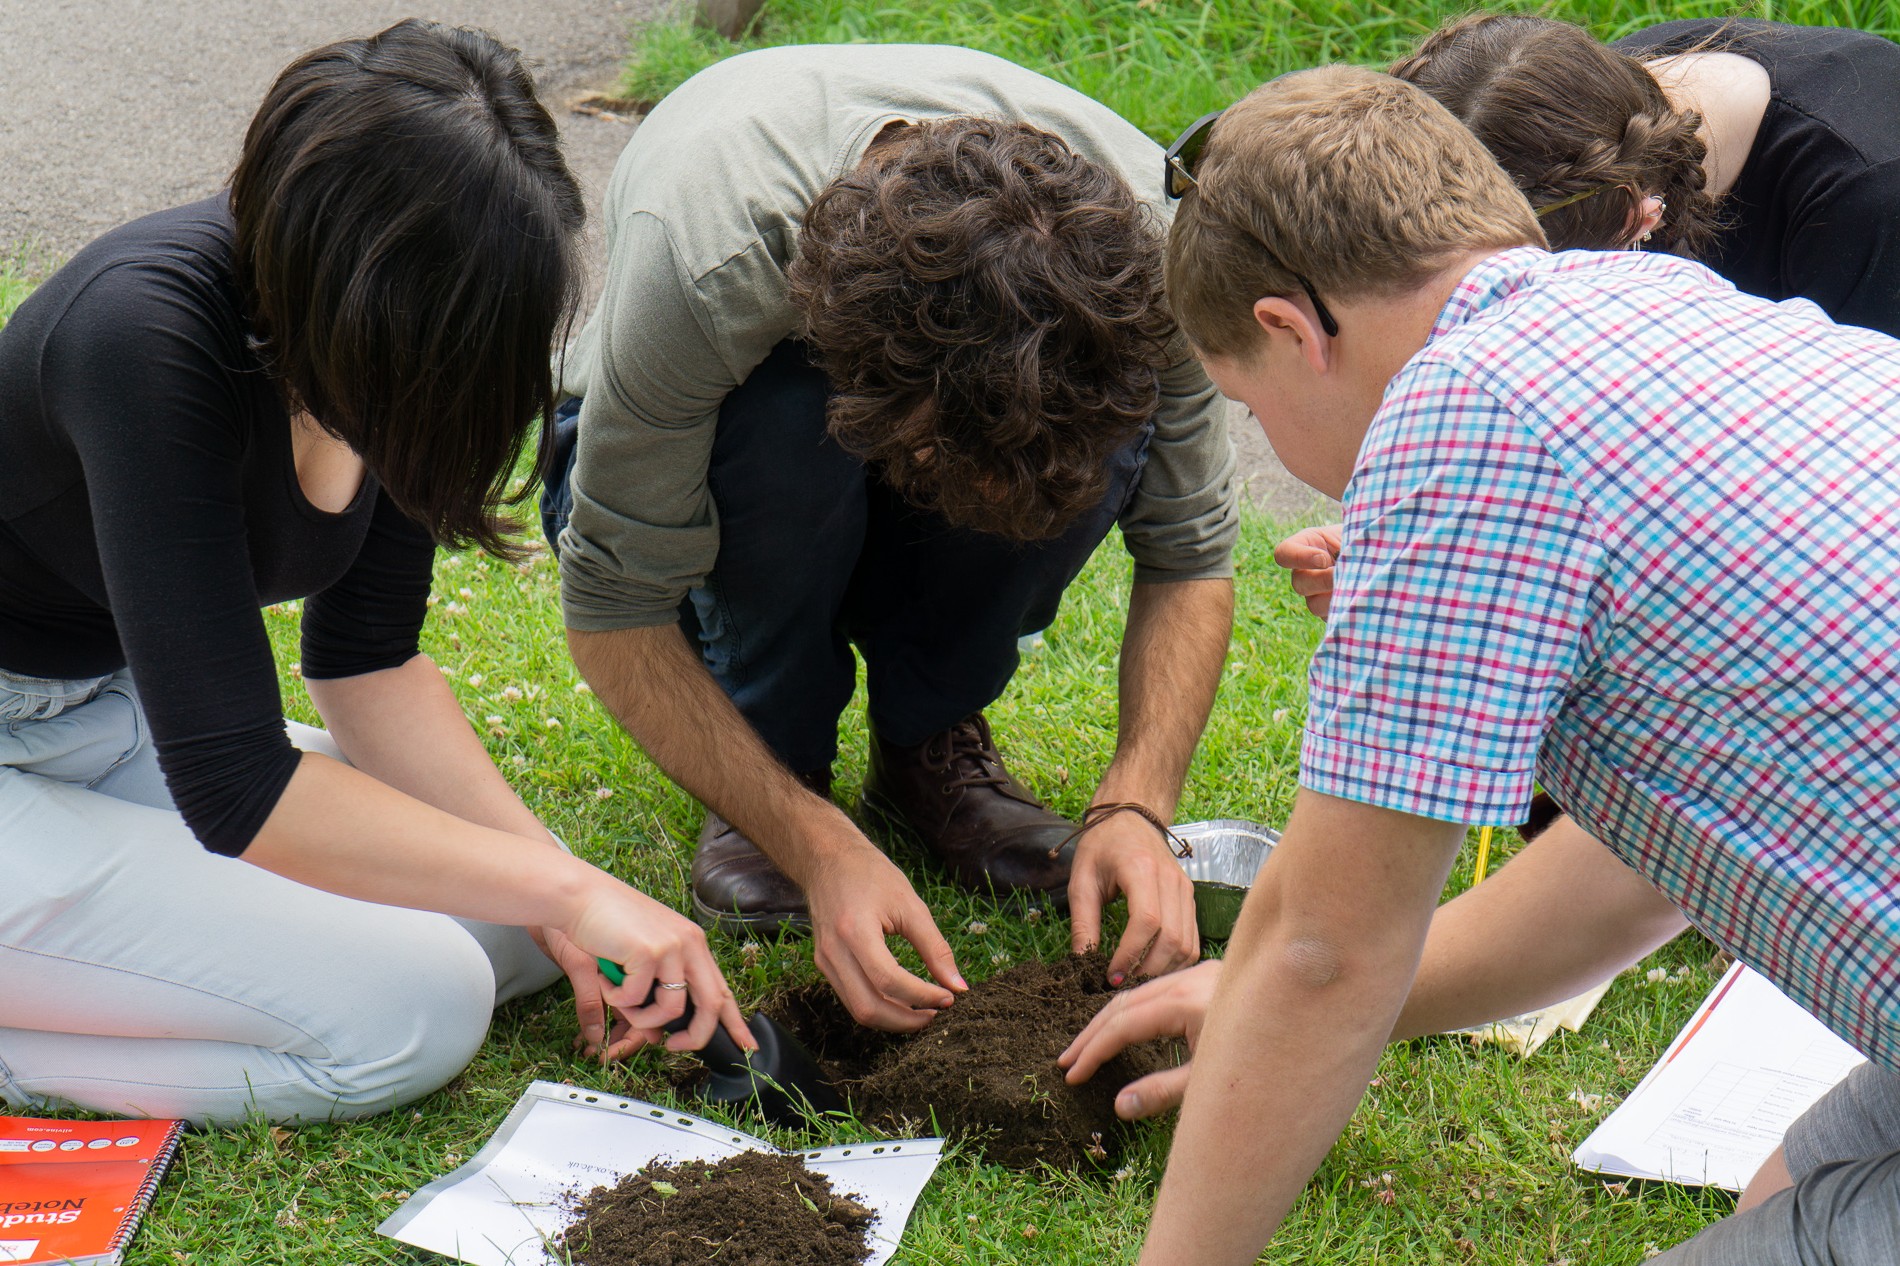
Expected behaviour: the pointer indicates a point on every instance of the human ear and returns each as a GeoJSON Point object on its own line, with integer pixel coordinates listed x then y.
{"type": "Point", "coordinates": [1282, 319]}
{"type": "Point", "coordinates": [1643, 219]}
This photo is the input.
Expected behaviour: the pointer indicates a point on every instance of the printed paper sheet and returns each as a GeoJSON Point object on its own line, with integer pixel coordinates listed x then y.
{"type": "Point", "coordinates": [502, 1207]}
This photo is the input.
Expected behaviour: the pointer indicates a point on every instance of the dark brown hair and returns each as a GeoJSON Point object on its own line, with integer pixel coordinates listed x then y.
{"type": "Point", "coordinates": [1566, 115]}
{"type": "Point", "coordinates": [407, 248]}
{"type": "Point", "coordinates": [987, 305]}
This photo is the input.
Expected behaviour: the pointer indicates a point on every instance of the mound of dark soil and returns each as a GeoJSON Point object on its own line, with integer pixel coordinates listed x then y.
{"type": "Point", "coordinates": [985, 1070]}
{"type": "Point", "coordinates": [753, 1209]}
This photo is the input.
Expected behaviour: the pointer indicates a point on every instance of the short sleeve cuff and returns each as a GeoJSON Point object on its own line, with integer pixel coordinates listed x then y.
{"type": "Point", "coordinates": [1218, 569]}
{"type": "Point", "coordinates": [1412, 784]}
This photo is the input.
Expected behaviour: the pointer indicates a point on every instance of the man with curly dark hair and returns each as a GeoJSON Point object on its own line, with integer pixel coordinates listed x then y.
{"type": "Point", "coordinates": [881, 358]}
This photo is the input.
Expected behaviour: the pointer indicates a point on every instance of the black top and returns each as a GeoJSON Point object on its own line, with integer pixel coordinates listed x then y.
{"type": "Point", "coordinates": [149, 506]}
{"type": "Point", "coordinates": [1816, 210]}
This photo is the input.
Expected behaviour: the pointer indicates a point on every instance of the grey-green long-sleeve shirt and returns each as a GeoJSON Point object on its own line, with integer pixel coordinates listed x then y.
{"type": "Point", "coordinates": [702, 220]}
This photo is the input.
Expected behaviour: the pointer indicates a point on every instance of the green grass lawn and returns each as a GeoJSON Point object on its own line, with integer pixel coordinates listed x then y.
{"type": "Point", "coordinates": [1163, 63]}
{"type": "Point", "coordinates": [15, 284]}
{"type": "Point", "coordinates": [1458, 1154]}
{"type": "Point", "coordinates": [1475, 1141]}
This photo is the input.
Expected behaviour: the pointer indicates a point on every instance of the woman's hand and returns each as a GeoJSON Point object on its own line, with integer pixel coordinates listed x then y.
{"type": "Point", "coordinates": [600, 1030]}
{"type": "Point", "coordinates": [656, 947]}
{"type": "Point", "coordinates": [1309, 555]}
{"type": "Point", "coordinates": [1173, 1006]}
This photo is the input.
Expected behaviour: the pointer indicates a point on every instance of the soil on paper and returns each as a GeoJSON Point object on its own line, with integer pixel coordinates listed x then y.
{"type": "Point", "coordinates": [753, 1209]}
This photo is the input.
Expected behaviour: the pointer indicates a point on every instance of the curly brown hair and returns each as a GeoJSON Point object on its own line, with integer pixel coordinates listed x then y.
{"type": "Point", "coordinates": [1569, 117]}
{"type": "Point", "coordinates": [988, 307]}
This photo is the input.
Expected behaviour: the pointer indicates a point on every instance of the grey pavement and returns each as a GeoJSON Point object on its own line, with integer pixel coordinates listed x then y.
{"type": "Point", "coordinates": [110, 109]}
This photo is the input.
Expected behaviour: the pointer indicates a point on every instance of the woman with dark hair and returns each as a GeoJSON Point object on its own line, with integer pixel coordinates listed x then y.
{"type": "Point", "coordinates": [1769, 152]}
{"type": "Point", "coordinates": [298, 390]}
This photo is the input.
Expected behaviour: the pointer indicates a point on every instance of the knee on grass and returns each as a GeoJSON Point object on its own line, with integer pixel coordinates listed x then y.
{"type": "Point", "coordinates": [401, 1030]}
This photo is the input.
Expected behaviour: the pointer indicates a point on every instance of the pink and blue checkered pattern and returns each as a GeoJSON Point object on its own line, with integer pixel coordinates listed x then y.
{"type": "Point", "coordinates": [1624, 530]}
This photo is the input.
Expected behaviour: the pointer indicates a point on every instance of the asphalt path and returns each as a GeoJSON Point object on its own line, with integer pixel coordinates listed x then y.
{"type": "Point", "coordinates": [110, 109]}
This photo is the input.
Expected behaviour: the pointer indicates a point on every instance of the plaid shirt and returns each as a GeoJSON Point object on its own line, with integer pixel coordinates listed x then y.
{"type": "Point", "coordinates": [1624, 530]}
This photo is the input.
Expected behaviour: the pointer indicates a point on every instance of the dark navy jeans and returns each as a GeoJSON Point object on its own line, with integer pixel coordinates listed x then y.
{"type": "Point", "coordinates": [816, 554]}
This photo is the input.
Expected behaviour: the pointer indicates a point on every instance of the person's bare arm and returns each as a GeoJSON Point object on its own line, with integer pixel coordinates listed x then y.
{"type": "Point", "coordinates": [1172, 653]}
{"type": "Point", "coordinates": [657, 688]}
{"type": "Point", "coordinates": [1566, 914]}
{"type": "Point", "coordinates": [404, 727]}
{"type": "Point", "coordinates": [1562, 916]}
{"type": "Point", "coordinates": [1319, 966]}
{"type": "Point", "coordinates": [339, 829]}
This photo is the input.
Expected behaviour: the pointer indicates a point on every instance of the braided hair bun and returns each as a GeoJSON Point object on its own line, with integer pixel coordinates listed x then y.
{"type": "Point", "coordinates": [1575, 122]}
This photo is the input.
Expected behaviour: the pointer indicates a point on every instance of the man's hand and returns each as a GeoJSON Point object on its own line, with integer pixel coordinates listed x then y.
{"type": "Point", "coordinates": [1310, 554]}
{"type": "Point", "coordinates": [1172, 651]}
{"type": "Point", "coordinates": [1173, 1006]}
{"type": "Point", "coordinates": [1124, 854]}
{"type": "Point", "coordinates": [857, 899]}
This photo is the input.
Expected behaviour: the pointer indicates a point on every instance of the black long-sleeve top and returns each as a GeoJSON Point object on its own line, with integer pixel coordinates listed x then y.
{"type": "Point", "coordinates": [149, 507]}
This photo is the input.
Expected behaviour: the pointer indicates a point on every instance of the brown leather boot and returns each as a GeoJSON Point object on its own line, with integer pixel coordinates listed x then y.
{"type": "Point", "coordinates": [952, 792]}
{"type": "Point", "coordinates": [737, 889]}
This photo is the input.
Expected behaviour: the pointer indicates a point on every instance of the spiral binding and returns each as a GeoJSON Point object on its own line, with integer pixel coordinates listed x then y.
{"type": "Point", "coordinates": [148, 1190]}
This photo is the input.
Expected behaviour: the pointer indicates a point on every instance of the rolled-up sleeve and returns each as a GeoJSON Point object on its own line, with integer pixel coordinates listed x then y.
{"type": "Point", "coordinates": [644, 529]}
{"type": "Point", "coordinates": [1184, 517]}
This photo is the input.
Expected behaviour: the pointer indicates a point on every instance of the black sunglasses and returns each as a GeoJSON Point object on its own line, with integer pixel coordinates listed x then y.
{"type": "Point", "coordinates": [1178, 180]}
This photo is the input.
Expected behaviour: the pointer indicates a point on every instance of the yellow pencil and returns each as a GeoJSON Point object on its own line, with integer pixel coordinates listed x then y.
{"type": "Point", "coordinates": [1484, 856]}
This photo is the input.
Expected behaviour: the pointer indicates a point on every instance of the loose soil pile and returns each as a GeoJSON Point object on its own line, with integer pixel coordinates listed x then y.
{"type": "Point", "coordinates": [753, 1209]}
{"type": "Point", "coordinates": [985, 1070]}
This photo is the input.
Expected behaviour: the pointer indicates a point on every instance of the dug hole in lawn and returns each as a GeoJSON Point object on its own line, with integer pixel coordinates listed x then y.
{"type": "Point", "coordinates": [984, 1071]}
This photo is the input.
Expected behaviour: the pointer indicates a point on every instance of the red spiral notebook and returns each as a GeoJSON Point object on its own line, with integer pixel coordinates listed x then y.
{"type": "Point", "coordinates": [74, 1191]}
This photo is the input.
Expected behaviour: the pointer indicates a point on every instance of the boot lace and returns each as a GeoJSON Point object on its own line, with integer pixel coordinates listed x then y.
{"type": "Point", "coordinates": [966, 750]}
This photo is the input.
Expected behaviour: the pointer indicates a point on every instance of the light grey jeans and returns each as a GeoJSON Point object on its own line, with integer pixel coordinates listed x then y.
{"type": "Point", "coordinates": [1844, 1207]}
{"type": "Point", "coordinates": [141, 975]}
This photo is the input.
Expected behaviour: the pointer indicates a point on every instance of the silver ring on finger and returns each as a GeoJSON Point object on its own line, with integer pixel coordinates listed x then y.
{"type": "Point", "coordinates": [672, 984]}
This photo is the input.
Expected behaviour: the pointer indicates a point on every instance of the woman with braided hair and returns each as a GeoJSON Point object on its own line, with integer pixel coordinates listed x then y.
{"type": "Point", "coordinates": [1769, 152]}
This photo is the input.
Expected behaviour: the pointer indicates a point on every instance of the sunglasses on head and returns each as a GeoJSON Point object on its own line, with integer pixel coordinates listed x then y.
{"type": "Point", "coordinates": [1178, 180]}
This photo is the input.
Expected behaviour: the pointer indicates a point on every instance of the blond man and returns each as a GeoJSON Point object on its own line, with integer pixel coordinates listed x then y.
{"type": "Point", "coordinates": [1611, 526]}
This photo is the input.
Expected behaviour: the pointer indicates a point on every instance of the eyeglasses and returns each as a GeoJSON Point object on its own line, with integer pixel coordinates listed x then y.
{"type": "Point", "coordinates": [1178, 180]}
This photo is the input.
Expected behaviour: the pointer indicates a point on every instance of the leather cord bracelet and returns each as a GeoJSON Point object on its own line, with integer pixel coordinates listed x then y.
{"type": "Point", "coordinates": [1100, 813]}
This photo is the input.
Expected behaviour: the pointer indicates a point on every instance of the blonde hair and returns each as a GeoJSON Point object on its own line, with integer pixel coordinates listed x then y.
{"type": "Point", "coordinates": [1354, 180]}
